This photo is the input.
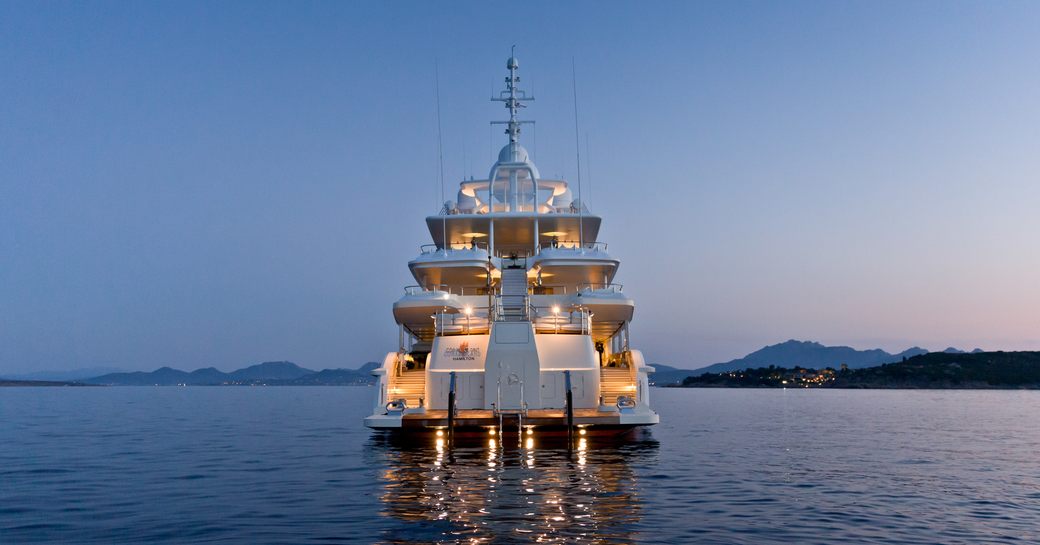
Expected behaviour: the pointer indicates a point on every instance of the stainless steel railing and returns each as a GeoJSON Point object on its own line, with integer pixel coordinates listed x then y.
{"type": "Point", "coordinates": [470, 246]}
{"type": "Point", "coordinates": [546, 319]}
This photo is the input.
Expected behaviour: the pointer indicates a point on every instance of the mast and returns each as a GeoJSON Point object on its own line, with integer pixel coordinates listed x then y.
{"type": "Point", "coordinates": [514, 99]}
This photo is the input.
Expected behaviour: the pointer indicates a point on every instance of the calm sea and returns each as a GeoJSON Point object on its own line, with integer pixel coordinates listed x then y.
{"type": "Point", "coordinates": [294, 465]}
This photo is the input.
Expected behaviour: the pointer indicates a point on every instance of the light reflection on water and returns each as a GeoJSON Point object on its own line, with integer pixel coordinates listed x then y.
{"type": "Point", "coordinates": [486, 491]}
{"type": "Point", "coordinates": [294, 465]}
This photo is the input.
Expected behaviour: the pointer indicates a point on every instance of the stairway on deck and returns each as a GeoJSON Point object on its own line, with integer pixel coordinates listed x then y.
{"type": "Point", "coordinates": [614, 382]}
{"type": "Point", "coordinates": [410, 385]}
{"type": "Point", "coordinates": [514, 294]}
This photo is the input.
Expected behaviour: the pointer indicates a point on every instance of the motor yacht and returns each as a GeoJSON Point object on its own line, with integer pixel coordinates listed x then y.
{"type": "Point", "coordinates": [515, 322]}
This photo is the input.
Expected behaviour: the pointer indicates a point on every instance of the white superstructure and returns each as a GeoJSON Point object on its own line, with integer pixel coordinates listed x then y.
{"type": "Point", "coordinates": [514, 308]}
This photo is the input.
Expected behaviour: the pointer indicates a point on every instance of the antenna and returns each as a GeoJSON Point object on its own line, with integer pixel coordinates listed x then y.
{"type": "Point", "coordinates": [588, 165]}
{"type": "Point", "coordinates": [440, 156]}
{"type": "Point", "coordinates": [514, 99]}
{"type": "Point", "coordinates": [577, 154]}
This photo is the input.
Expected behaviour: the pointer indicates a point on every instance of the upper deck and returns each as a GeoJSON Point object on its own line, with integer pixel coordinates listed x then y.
{"type": "Point", "coordinates": [506, 233]}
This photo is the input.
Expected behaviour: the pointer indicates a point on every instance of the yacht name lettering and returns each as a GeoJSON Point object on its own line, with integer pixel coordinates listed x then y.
{"type": "Point", "coordinates": [464, 352]}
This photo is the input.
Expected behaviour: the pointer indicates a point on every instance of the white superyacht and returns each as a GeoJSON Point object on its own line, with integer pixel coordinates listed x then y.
{"type": "Point", "coordinates": [515, 323]}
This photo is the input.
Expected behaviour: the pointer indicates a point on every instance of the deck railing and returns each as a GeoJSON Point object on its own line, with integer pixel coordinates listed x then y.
{"type": "Point", "coordinates": [445, 288]}
{"type": "Point", "coordinates": [464, 246]}
{"type": "Point", "coordinates": [546, 319]}
{"type": "Point", "coordinates": [574, 245]}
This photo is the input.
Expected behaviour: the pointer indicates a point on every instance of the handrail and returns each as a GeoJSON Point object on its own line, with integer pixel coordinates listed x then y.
{"type": "Point", "coordinates": [471, 246]}
{"type": "Point", "coordinates": [453, 323]}
{"type": "Point", "coordinates": [546, 319]}
{"type": "Point", "coordinates": [564, 289]}
{"type": "Point", "coordinates": [540, 208]}
{"type": "Point", "coordinates": [601, 286]}
{"type": "Point", "coordinates": [444, 288]}
{"type": "Point", "coordinates": [575, 245]}
{"type": "Point", "coordinates": [557, 289]}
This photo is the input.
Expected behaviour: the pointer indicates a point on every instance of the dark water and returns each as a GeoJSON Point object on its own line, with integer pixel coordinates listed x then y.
{"type": "Point", "coordinates": [294, 465]}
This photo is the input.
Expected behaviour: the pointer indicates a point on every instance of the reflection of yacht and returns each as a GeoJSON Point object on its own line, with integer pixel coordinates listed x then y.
{"type": "Point", "coordinates": [479, 492]}
{"type": "Point", "coordinates": [515, 321]}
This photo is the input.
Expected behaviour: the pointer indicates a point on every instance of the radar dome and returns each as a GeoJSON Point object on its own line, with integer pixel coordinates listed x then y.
{"type": "Point", "coordinates": [512, 153]}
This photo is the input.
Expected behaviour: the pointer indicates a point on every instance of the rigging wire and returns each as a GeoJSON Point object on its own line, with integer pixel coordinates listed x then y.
{"type": "Point", "coordinates": [440, 156]}
{"type": "Point", "coordinates": [577, 154]}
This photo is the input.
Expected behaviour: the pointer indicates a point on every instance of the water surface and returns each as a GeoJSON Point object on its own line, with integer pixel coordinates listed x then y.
{"type": "Point", "coordinates": [294, 465]}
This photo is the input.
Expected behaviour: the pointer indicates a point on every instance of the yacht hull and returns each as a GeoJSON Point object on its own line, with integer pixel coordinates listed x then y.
{"type": "Point", "coordinates": [540, 419]}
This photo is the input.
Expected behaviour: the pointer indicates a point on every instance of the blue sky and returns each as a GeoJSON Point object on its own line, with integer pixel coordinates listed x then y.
{"type": "Point", "coordinates": [220, 184]}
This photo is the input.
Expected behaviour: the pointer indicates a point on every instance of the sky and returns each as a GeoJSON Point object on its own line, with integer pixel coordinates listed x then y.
{"type": "Point", "coordinates": [220, 184]}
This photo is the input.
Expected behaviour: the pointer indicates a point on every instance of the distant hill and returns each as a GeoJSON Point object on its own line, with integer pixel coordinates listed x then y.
{"type": "Point", "coordinates": [332, 377]}
{"type": "Point", "coordinates": [63, 376]}
{"type": "Point", "coordinates": [35, 383]}
{"type": "Point", "coordinates": [950, 370]}
{"type": "Point", "coordinates": [160, 377]}
{"type": "Point", "coordinates": [666, 374]}
{"type": "Point", "coordinates": [935, 370]}
{"type": "Point", "coordinates": [795, 353]}
{"type": "Point", "coordinates": [274, 373]}
{"type": "Point", "coordinates": [271, 370]}
{"type": "Point", "coordinates": [811, 354]}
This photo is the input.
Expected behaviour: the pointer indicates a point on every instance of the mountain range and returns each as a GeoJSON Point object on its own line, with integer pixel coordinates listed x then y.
{"type": "Point", "coordinates": [69, 375]}
{"type": "Point", "coordinates": [788, 354]}
{"type": "Point", "coordinates": [795, 353]}
{"type": "Point", "coordinates": [280, 373]}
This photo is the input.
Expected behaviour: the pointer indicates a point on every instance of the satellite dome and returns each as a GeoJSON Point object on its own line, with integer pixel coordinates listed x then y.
{"type": "Point", "coordinates": [512, 153]}
{"type": "Point", "coordinates": [512, 63]}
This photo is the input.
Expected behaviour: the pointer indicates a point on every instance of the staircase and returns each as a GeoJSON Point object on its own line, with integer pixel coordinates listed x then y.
{"type": "Point", "coordinates": [513, 294]}
{"type": "Point", "coordinates": [410, 385]}
{"type": "Point", "coordinates": [614, 382]}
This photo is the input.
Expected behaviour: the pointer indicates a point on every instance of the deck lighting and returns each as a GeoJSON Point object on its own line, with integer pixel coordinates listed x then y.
{"type": "Point", "coordinates": [491, 431]}
{"type": "Point", "coordinates": [581, 431]}
{"type": "Point", "coordinates": [440, 433]}
{"type": "Point", "coordinates": [556, 309]}
{"type": "Point", "coordinates": [468, 310]}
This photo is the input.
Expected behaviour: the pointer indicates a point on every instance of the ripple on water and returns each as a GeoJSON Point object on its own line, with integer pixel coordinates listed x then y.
{"type": "Point", "coordinates": [275, 465]}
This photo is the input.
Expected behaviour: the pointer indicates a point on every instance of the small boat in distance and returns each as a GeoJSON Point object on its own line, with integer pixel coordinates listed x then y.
{"type": "Point", "coordinates": [515, 322]}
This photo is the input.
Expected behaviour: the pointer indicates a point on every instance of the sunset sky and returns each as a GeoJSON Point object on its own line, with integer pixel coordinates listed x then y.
{"type": "Point", "coordinates": [194, 184]}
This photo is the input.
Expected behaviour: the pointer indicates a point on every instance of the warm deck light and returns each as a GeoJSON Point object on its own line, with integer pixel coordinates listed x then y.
{"type": "Point", "coordinates": [468, 310]}
{"type": "Point", "coordinates": [556, 309]}
{"type": "Point", "coordinates": [491, 431]}
{"type": "Point", "coordinates": [473, 235]}
{"type": "Point", "coordinates": [581, 431]}
{"type": "Point", "coordinates": [440, 433]}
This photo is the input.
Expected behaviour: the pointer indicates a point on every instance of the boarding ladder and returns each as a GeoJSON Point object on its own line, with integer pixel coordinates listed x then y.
{"type": "Point", "coordinates": [519, 412]}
